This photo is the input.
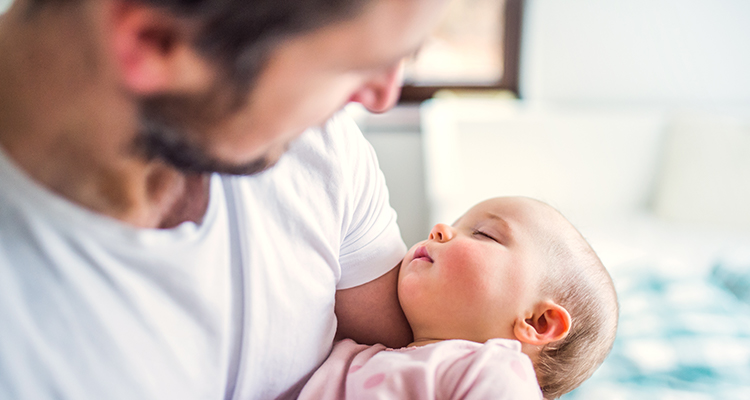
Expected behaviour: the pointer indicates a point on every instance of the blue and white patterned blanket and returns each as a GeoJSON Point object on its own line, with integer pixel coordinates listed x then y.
{"type": "Point", "coordinates": [680, 337]}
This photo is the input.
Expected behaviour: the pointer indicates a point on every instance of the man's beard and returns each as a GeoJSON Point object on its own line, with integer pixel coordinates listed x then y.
{"type": "Point", "coordinates": [161, 137]}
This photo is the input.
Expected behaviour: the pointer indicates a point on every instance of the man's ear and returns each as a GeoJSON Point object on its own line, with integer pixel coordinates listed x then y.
{"type": "Point", "coordinates": [548, 323]}
{"type": "Point", "coordinates": [154, 50]}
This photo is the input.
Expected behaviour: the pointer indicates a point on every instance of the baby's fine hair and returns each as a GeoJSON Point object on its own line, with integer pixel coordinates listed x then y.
{"type": "Point", "coordinates": [577, 281]}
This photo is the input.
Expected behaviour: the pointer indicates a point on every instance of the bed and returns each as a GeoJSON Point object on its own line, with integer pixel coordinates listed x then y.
{"type": "Point", "coordinates": [663, 196]}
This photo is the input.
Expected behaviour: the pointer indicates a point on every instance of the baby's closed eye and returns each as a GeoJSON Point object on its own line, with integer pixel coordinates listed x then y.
{"type": "Point", "coordinates": [484, 234]}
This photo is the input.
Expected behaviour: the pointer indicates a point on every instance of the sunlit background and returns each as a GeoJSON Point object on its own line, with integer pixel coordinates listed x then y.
{"type": "Point", "coordinates": [633, 118]}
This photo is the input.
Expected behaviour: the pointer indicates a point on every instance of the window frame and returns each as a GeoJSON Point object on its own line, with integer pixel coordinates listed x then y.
{"type": "Point", "coordinates": [512, 25]}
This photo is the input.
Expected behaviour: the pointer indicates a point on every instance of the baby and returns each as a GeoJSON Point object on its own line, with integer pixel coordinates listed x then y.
{"type": "Point", "coordinates": [508, 303]}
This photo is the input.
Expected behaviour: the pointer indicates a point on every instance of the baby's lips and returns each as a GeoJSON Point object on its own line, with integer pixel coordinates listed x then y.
{"type": "Point", "coordinates": [421, 253]}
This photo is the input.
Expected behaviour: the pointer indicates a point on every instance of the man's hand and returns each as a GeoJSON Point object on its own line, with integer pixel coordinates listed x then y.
{"type": "Point", "coordinates": [371, 313]}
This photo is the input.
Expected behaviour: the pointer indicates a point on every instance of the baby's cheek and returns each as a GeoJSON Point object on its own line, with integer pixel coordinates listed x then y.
{"type": "Point", "coordinates": [467, 267]}
{"type": "Point", "coordinates": [458, 256]}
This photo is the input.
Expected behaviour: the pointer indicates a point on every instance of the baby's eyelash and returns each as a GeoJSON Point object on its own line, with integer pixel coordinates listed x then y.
{"type": "Point", "coordinates": [477, 232]}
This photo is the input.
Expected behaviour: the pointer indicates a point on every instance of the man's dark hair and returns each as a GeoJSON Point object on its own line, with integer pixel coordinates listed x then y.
{"type": "Point", "coordinates": [238, 34]}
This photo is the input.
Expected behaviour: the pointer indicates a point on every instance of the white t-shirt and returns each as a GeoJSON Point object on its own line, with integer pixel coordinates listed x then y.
{"type": "Point", "coordinates": [239, 306]}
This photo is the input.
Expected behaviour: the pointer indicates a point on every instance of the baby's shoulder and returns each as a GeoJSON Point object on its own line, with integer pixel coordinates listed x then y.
{"type": "Point", "coordinates": [495, 369]}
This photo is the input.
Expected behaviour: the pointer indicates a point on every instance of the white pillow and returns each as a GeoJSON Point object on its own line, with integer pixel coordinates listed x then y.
{"type": "Point", "coordinates": [705, 175]}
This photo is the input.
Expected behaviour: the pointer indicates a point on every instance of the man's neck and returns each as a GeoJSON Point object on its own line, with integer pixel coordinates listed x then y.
{"type": "Point", "coordinates": [65, 125]}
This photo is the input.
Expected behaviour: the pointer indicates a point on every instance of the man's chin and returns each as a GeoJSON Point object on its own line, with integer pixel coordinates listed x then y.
{"type": "Point", "coordinates": [251, 168]}
{"type": "Point", "coordinates": [204, 164]}
{"type": "Point", "coordinates": [188, 158]}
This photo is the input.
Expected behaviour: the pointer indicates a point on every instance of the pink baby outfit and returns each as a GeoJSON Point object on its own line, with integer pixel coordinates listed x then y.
{"type": "Point", "coordinates": [451, 369]}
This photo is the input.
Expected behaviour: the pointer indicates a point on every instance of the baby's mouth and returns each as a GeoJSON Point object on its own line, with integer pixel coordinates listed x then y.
{"type": "Point", "coordinates": [421, 254]}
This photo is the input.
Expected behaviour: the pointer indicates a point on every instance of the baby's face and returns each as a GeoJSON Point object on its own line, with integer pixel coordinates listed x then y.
{"type": "Point", "coordinates": [473, 279]}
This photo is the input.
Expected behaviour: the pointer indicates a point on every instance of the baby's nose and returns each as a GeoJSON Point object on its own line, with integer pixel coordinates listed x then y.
{"type": "Point", "coordinates": [441, 233]}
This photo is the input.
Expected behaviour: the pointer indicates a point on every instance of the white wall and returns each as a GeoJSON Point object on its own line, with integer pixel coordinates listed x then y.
{"type": "Point", "coordinates": [637, 52]}
{"type": "Point", "coordinates": [4, 4]}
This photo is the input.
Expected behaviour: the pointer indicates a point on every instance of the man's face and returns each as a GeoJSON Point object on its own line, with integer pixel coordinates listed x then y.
{"type": "Point", "coordinates": [306, 79]}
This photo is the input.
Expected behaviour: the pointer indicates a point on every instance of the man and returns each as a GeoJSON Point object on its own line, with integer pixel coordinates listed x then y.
{"type": "Point", "coordinates": [128, 267]}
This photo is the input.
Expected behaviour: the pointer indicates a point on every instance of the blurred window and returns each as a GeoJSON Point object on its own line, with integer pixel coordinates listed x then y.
{"type": "Point", "coordinates": [474, 48]}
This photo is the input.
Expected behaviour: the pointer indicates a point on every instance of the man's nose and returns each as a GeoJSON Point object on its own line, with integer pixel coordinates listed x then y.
{"type": "Point", "coordinates": [441, 233]}
{"type": "Point", "coordinates": [380, 93]}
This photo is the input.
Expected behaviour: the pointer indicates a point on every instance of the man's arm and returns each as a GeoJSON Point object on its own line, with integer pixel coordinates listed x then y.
{"type": "Point", "coordinates": [371, 313]}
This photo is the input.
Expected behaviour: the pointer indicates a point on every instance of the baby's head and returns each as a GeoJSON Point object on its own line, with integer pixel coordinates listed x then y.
{"type": "Point", "coordinates": [514, 268]}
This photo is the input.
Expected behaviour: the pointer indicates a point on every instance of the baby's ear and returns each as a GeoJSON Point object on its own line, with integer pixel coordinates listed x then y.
{"type": "Point", "coordinates": [549, 322]}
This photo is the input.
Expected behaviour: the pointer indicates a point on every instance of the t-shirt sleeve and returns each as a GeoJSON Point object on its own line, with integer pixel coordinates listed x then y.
{"type": "Point", "coordinates": [371, 241]}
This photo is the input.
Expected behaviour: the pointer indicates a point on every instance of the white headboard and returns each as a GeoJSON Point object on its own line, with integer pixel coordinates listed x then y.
{"type": "Point", "coordinates": [590, 164]}
{"type": "Point", "coordinates": [595, 165]}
